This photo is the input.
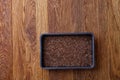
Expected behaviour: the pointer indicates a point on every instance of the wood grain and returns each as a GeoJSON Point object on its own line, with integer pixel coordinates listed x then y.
{"type": "Point", "coordinates": [22, 22]}
{"type": "Point", "coordinates": [41, 27]}
{"type": "Point", "coordinates": [96, 22]}
{"type": "Point", "coordinates": [114, 40]}
{"type": "Point", "coordinates": [6, 47]}
{"type": "Point", "coordinates": [59, 20]}
{"type": "Point", "coordinates": [25, 51]}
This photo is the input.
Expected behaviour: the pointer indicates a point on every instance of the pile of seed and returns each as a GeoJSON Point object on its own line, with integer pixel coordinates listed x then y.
{"type": "Point", "coordinates": [67, 51]}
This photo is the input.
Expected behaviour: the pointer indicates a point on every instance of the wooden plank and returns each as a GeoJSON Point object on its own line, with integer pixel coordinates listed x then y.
{"type": "Point", "coordinates": [5, 41]}
{"type": "Point", "coordinates": [18, 41]}
{"type": "Point", "coordinates": [96, 21]}
{"type": "Point", "coordinates": [25, 52]}
{"type": "Point", "coordinates": [32, 68]}
{"type": "Point", "coordinates": [60, 16]}
{"type": "Point", "coordinates": [114, 40]}
{"type": "Point", "coordinates": [19, 50]}
{"type": "Point", "coordinates": [42, 27]}
{"type": "Point", "coordinates": [59, 20]}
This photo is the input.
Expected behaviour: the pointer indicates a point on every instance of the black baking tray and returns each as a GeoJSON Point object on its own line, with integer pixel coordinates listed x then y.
{"type": "Point", "coordinates": [66, 34]}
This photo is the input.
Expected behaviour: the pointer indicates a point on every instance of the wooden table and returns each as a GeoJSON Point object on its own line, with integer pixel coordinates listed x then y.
{"type": "Point", "coordinates": [22, 22]}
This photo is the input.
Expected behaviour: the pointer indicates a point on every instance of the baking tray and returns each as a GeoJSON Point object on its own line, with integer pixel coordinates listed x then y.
{"type": "Point", "coordinates": [66, 34]}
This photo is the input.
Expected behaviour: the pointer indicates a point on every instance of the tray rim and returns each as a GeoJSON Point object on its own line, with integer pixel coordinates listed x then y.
{"type": "Point", "coordinates": [68, 34]}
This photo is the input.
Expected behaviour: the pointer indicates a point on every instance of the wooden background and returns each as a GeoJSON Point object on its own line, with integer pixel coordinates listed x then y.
{"type": "Point", "coordinates": [22, 22]}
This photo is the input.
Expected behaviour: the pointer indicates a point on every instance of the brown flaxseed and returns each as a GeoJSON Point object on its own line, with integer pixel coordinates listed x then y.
{"type": "Point", "coordinates": [67, 51]}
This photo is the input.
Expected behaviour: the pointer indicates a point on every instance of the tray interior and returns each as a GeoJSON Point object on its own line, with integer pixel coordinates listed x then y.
{"type": "Point", "coordinates": [67, 50]}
